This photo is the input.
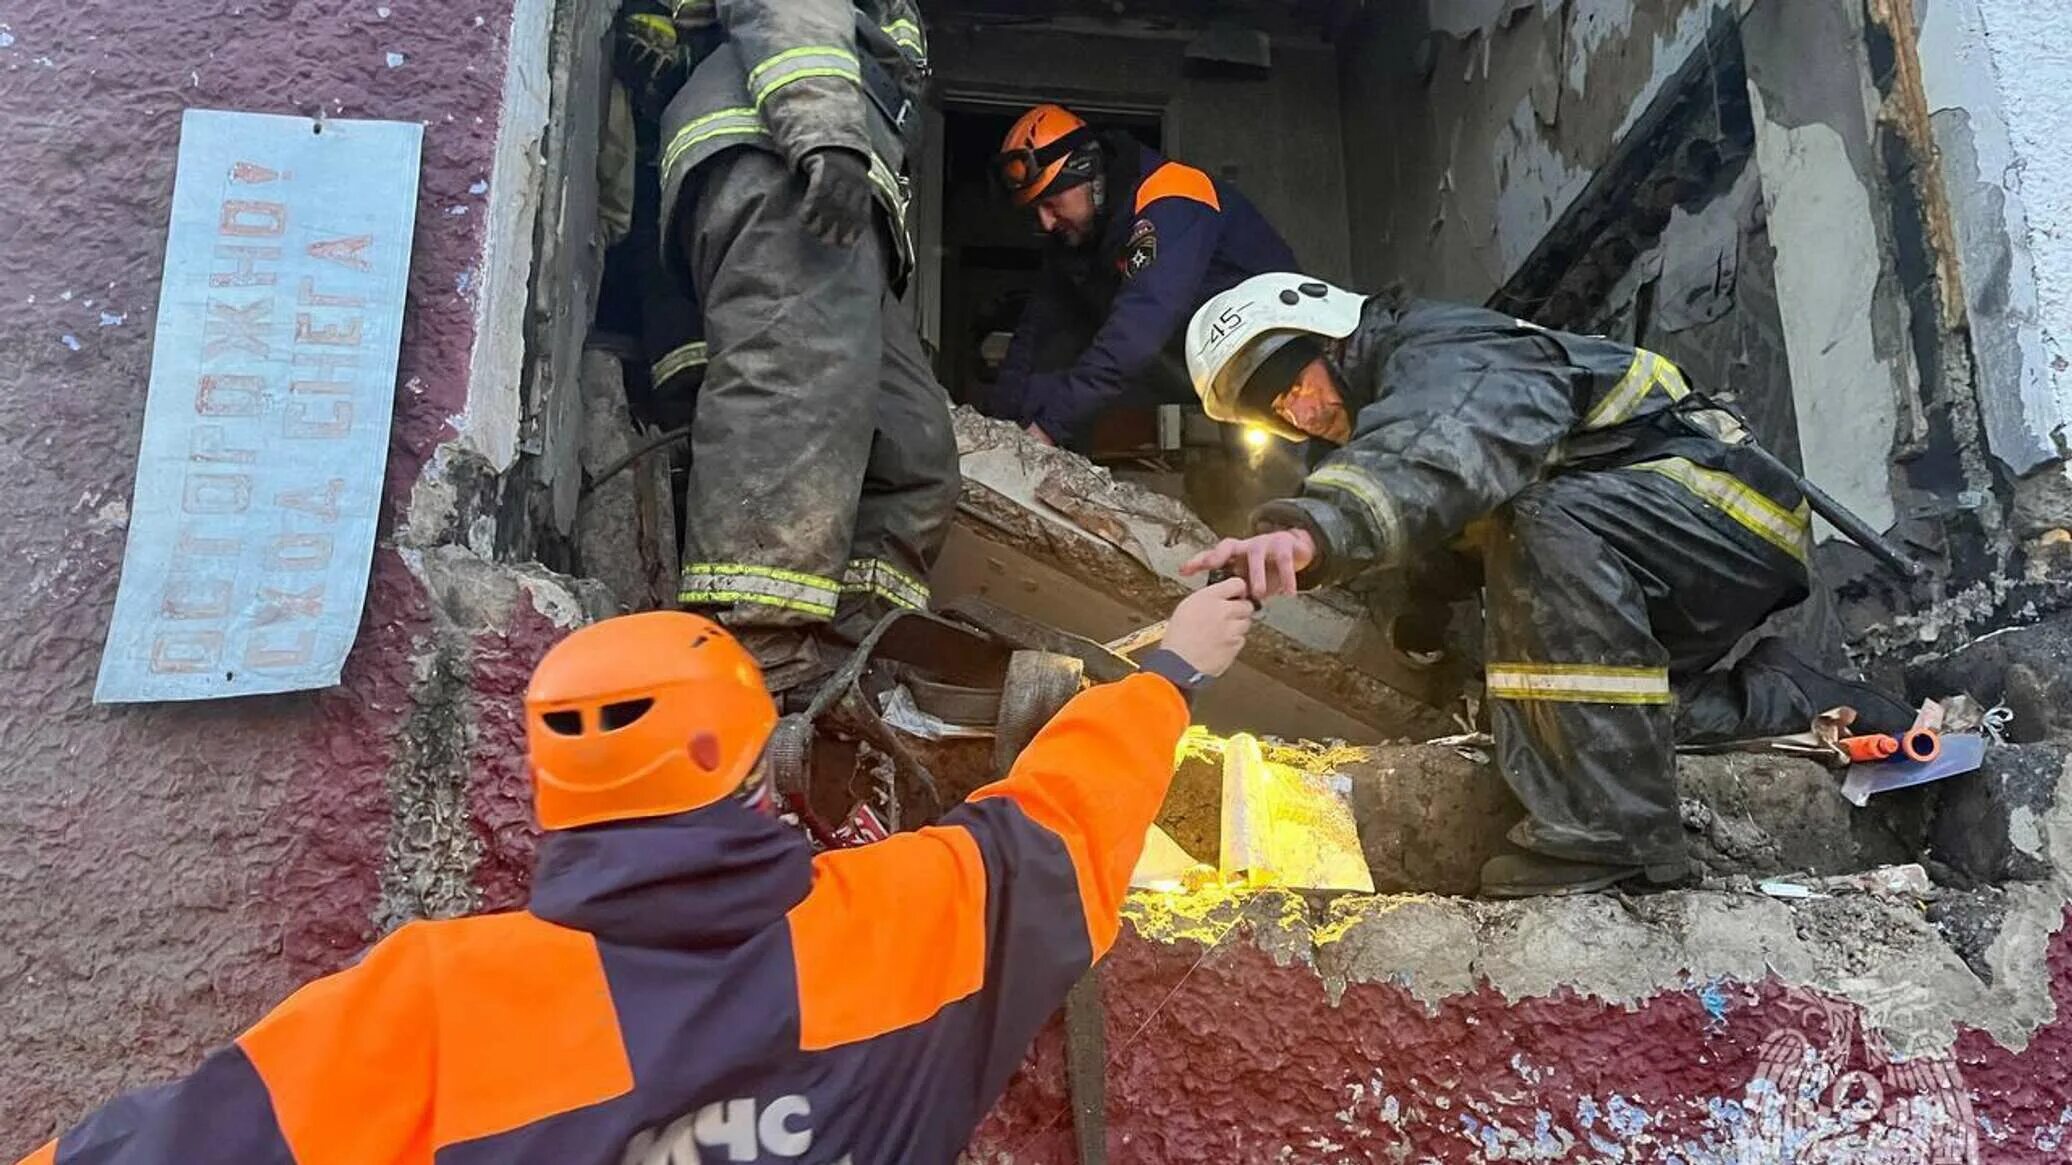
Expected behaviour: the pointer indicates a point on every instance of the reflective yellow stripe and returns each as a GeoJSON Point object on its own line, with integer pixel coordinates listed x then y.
{"type": "Point", "coordinates": [736, 582]}
{"type": "Point", "coordinates": [813, 581]}
{"type": "Point", "coordinates": [659, 34]}
{"type": "Point", "coordinates": [836, 51]}
{"type": "Point", "coordinates": [1619, 403]}
{"type": "Point", "coordinates": [805, 74]}
{"type": "Point", "coordinates": [681, 146]}
{"type": "Point", "coordinates": [887, 183]}
{"type": "Point", "coordinates": [1647, 372]}
{"type": "Point", "coordinates": [797, 65]}
{"type": "Point", "coordinates": [1671, 378]}
{"type": "Point", "coordinates": [1381, 512]}
{"type": "Point", "coordinates": [1787, 530]}
{"type": "Point", "coordinates": [887, 581]}
{"type": "Point", "coordinates": [717, 596]}
{"type": "Point", "coordinates": [735, 119]}
{"type": "Point", "coordinates": [692, 353]}
{"type": "Point", "coordinates": [907, 35]}
{"type": "Point", "coordinates": [1577, 683]}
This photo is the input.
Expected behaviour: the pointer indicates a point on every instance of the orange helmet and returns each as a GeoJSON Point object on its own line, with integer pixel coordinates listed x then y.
{"type": "Point", "coordinates": [1039, 151]}
{"type": "Point", "coordinates": [642, 716]}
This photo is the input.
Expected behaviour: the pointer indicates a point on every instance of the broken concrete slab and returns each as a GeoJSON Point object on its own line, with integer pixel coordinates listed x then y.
{"type": "Point", "coordinates": [2029, 669]}
{"type": "Point", "coordinates": [625, 533]}
{"type": "Point", "coordinates": [1749, 813]}
{"type": "Point", "coordinates": [1044, 533]}
{"type": "Point", "coordinates": [1429, 816]}
{"type": "Point", "coordinates": [1876, 952]}
{"type": "Point", "coordinates": [2011, 821]}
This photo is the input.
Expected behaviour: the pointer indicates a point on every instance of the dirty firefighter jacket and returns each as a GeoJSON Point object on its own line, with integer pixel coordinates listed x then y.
{"type": "Point", "coordinates": [823, 470]}
{"type": "Point", "coordinates": [1117, 306]}
{"type": "Point", "coordinates": [701, 988]}
{"type": "Point", "coordinates": [1627, 539]}
{"type": "Point", "coordinates": [796, 76]}
{"type": "Point", "coordinates": [1462, 408]}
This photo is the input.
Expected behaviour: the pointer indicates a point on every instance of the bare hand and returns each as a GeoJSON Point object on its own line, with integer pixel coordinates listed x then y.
{"type": "Point", "coordinates": [1208, 628]}
{"type": "Point", "coordinates": [1040, 436]}
{"type": "Point", "coordinates": [1269, 563]}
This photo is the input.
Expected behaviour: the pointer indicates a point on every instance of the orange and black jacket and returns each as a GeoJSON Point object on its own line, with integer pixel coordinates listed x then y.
{"type": "Point", "coordinates": [1100, 317]}
{"type": "Point", "coordinates": [700, 989]}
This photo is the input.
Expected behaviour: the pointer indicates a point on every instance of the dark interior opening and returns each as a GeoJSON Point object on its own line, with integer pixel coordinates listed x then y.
{"type": "Point", "coordinates": [991, 249]}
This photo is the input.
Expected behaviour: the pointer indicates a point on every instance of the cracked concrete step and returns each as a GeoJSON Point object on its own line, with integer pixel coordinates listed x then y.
{"type": "Point", "coordinates": [1429, 816]}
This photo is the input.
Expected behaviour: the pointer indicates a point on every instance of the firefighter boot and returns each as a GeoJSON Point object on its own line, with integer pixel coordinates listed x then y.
{"type": "Point", "coordinates": [1875, 711]}
{"type": "Point", "coordinates": [1524, 874]}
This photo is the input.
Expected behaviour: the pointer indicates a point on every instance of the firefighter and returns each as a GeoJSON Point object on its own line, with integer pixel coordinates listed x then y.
{"type": "Point", "coordinates": [690, 982]}
{"type": "Point", "coordinates": [1626, 535]}
{"type": "Point", "coordinates": [1137, 242]}
{"type": "Point", "coordinates": [652, 59]}
{"type": "Point", "coordinates": [823, 470]}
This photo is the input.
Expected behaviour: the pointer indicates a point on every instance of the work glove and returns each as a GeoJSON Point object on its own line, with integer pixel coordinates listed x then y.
{"type": "Point", "coordinates": [837, 207]}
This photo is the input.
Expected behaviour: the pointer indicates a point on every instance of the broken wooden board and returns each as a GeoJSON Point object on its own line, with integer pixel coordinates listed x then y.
{"type": "Point", "coordinates": [1042, 532]}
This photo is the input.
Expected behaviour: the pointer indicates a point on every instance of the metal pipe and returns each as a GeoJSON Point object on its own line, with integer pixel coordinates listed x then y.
{"type": "Point", "coordinates": [1841, 518]}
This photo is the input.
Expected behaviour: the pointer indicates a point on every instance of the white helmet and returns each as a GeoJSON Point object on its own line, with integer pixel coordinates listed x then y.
{"type": "Point", "coordinates": [1248, 330]}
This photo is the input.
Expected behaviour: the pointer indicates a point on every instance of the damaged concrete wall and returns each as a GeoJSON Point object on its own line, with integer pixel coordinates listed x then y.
{"type": "Point", "coordinates": [1276, 137]}
{"type": "Point", "coordinates": [1471, 128]}
{"type": "Point", "coordinates": [1996, 73]}
{"type": "Point", "coordinates": [1712, 1026]}
{"type": "Point", "coordinates": [1855, 382]}
{"type": "Point", "coordinates": [170, 871]}
{"type": "Point", "coordinates": [1843, 248]}
{"type": "Point", "coordinates": [1533, 105]}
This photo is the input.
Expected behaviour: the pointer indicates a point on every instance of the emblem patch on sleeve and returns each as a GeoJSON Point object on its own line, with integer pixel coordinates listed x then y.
{"type": "Point", "coordinates": [1142, 249]}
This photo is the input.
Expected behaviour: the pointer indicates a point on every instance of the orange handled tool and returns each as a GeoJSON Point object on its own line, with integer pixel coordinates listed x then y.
{"type": "Point", "coordinates": [1919, 745]}
{"type": "Point", "coordinates": [1866, 749]}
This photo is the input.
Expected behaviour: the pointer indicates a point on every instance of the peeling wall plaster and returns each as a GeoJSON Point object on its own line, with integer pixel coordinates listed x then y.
{"type": "Point", "coordinates": [1829, 263]}
{"type": "Point", "coordinates": [1525, 101]}
{"type": "Point", "coordinates": [489, 425]}
{"type": "Point", "coordinates": [1995, 78]}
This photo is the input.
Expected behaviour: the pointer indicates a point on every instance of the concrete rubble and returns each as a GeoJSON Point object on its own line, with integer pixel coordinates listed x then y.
{"type": "Point", "coordinates": [1932, 909]}
{"type": "Point", "coordinates": [2028, 669]}
{"type": "Point", "coordinates": [1429, 815]}
{"type": "Point", "coordinates": [1974, 958]}
{"type": "Point", "coordinates": [1045, 534]}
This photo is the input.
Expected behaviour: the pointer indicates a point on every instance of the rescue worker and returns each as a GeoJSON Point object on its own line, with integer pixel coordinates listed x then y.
{"type": "Point", "coordinates": [690, 983]}
{"type": "Point", "coordinates": [1137, 242]}
{"type": "Point", "coordinates": [823, 470]}
{"type": "Point", "coordinates": [651, 61]}
{"type": "Point", "coordinates": [1626, 534]}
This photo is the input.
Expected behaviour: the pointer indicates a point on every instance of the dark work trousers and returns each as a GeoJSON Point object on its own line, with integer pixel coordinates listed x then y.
{"type": "Point", "coordinates": [823, 468]}
{"type": "Point", "coordinates": [1610, 596]}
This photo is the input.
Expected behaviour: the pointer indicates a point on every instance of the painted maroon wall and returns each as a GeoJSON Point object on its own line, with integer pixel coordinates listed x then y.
{"type": "Point", "coordinates": [168, 872]}
{"type": "Point", "coordinates": [1236, 1058]}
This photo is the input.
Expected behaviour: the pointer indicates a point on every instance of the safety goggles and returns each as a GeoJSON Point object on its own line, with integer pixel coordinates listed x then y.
{"type": "Point", "coordinates": [1020, 171]}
